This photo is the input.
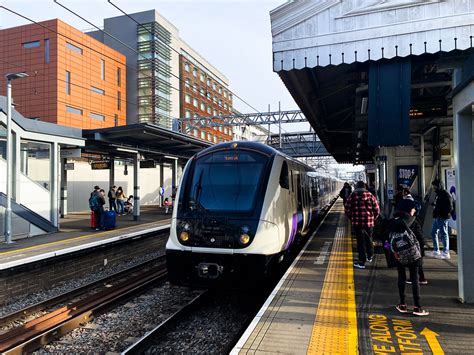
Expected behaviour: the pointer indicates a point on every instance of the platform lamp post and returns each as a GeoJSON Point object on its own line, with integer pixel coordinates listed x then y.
{"type": "Point", "coordinates": [9, 156]}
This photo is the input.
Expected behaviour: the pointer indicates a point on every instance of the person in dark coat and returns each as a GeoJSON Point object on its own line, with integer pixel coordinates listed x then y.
{"type": "Point", "coordinates": [345, 192]}
{"type": "Point", "coordinates": [443, 206]}
{"type": "Point", "coordinates": [100, 211]}
{"type": "Point", "coordinates": [399, 224]}
{"type": "Point", "coordinates": [405, 207]}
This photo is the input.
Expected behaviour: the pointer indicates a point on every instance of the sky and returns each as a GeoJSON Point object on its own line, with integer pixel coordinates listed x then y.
{"type": "Point", "coordinates": [234, 36]}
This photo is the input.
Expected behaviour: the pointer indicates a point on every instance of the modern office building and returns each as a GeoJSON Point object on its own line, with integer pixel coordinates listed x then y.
{"type": "Point", "coordinates": [74, 80]}
{"type": "Point", "coordinates": [157, 88]}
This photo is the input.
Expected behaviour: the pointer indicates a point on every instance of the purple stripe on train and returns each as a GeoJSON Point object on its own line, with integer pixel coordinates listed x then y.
{"type": "Point", "coordinates": [294, 225]}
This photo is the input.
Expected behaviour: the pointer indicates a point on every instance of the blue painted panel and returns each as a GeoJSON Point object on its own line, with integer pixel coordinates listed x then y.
{"type": "Point", "coordinates": [389, 102]}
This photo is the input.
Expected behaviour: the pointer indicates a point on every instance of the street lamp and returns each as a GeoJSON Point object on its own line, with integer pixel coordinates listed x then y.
{"type": "Point", "coordinates": [8, 211]}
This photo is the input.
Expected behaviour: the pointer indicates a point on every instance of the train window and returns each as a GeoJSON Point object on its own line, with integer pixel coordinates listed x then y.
{"type": "Point", "coordinates": [226, 181]}
{"type": "Point", "coordinates": [284, 179]}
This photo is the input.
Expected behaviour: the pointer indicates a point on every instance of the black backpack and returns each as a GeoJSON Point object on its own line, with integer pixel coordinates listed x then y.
{"type": "Point", "coordinates": [405, 246]}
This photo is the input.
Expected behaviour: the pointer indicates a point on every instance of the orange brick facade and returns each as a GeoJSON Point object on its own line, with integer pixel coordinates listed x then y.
{"type": "Point", "coordinates": [202, 95]}
{"type": "Point", "coordinates": [47, 54]}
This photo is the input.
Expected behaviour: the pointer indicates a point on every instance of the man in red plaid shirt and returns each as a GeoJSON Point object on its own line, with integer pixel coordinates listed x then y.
{"type": "Point", "coordinates": [362, 209]}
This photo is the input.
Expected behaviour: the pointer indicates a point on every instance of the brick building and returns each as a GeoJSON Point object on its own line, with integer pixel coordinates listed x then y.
{"type": "Point", "coordinates": [74, 80]}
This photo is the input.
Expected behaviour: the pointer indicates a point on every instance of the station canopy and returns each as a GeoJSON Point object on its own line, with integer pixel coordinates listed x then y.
{"type": "Point", "coordinates": [150, 141]}
{"type": "Point", "coordinates": [369, 73]}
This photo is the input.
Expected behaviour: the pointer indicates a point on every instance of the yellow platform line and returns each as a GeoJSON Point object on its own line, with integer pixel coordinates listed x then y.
{"type": "Point", "coordinates": [65, 241]}
{"type": "Point", "coordinates": [335, 325]}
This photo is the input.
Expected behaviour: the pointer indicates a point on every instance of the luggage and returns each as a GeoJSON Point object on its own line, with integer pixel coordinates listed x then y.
{"type": "Point", "coordinates": [110, 219]}
{"type": "Point", "coordinates": [93, 220]}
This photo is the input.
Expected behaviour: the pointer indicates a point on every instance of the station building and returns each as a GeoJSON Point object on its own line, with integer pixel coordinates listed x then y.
{"type": "Point", "coordinates": [74, 80]}
{"type": "Point", "coordinates": [171, 79]}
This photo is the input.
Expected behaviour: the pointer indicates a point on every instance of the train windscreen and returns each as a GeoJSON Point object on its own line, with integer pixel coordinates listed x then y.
{"type": "Point", "coordinates": [226, 181]}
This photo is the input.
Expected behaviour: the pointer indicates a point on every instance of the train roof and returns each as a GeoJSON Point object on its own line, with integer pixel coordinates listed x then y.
{"type": "Point", "coordinates": [260, 147]}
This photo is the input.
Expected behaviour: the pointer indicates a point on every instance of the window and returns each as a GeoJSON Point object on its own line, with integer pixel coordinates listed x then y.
{"type": "Point", "coordinates": [208, 95]}
{"type": "Point", "coordinates": [187, 98]}
{"type": "Point", "coordinates": [196, 132]}
{"type": "Point", "coordinates": [215, 139]}
{"type": "Point", "coordinates": [226, 106]}
{"type": "Point", "coordinates": [98, 117]}
{"type": "Point", "coordinates": [116, 120]}
{"type": "Point", "coordinates": [284, 179]}
{"type": "Point", "coordinates": [214, 86]}
{"type": "Point", "coordinates": [201, 91]}
{"type": "Point", "coordinates": [187, 114]}
{"type": "Point", "coordinates": [46, 51]}
{"type": "Point", "coordinates": [230, 96]}
{"type": "Point", "coordinates": [187, 83]}
{"type": "Point", "coordinates": [209, 137]}
{"type": "Point", "coordinates": [195, 88]}
{"type": "Point", "coordinates": [186, 67]}
{"type": "Point", "coordinates": [220, 103]}
{"type": "Point", "coordinates": [119, 100]}
{"type": "Point", "coordinates": [208, 82]}
{"type": "Point", "coordinates": [74, 110]}
{"type": "Point", "coordinates": [214, 112]}
{"type": "Point", "coordinates": [102, 69]}
{"type": "Point", "coordinates": [209, 109]}
{"type": "Point", "coordinates": [225, 94]}
{"type": "Point", "coordinates": [119, 76]}
{"type": "Point", "coordinates": [97, 90]}
{"type": "Point", "coordinates": [195, 103]}
{"type": "Point", "coordinates": [68, 82]}
{"type": "Point", "coordinates": [203, 135]}
{"type": "Point", "coordinates": [203, 77]}
{"type": "Point", "coordinates": [33, 44]}
{"type": "Point", "coordinates": [195, 72]}
{"type": "Point", "coordinates": [220, 128]}
{"type": "Point", "coordinates": [220, 90]}
{"type": "Point", "coordinates": [203, 106]}
{"type": "Point", "coordinates": [74, 48]}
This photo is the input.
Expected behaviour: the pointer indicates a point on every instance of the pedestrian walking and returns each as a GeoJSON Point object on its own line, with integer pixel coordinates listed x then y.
{"type": "Point", "coordinates": [362, 209]}
{"type": "Point", "coordinates": [112, 195]}
{"type": "Point", "coordinates": [407, 251]}
{"type": "Point", "coordinates": [345, 192]}
{"type": "Point", "coordinates": [443, 206]}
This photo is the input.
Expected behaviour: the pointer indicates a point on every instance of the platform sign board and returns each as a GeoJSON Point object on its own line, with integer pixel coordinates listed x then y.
{"type": "Point", "coordinates": [406, 175]}
{"type": "Point", "coordinates": [71, 153]}
{"type": "Point", "coordinates": [69, 166]}
{"type": "Point", "coordinates": [147, 164]}
{"type": "Point", "coordinates": [100, 165]}
{"type": "Point", "coordinates": [451, 188]}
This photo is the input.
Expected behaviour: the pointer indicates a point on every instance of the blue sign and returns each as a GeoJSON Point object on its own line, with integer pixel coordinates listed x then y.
{"type": "Point", "coordinates": [406, 175]}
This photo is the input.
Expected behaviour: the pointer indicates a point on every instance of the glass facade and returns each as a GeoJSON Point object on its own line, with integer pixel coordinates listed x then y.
{"type": "Point", "coordinates": [154, 74]}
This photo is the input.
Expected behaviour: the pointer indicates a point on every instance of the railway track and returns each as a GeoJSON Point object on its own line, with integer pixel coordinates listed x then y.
{"type": "Point", "coordinates": [44, 329]}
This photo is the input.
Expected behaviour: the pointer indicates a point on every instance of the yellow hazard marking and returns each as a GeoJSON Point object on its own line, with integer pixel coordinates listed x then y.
{"type": "Point", "coordinates": [432, 340]}
{"type": "Point", "coordinates": [65, 241]}
{"type": "Point", "coordinates": [399, 336]}
{"type": "Point", "coordinates": [335, 326]}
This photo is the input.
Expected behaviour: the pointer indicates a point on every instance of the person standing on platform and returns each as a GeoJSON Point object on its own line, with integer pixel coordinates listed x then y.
{"type": "Point", "coordinates": [121, 198]}
{"type": "Point", "coordinates": [345, 192]}
{"type": "Point", "coordinates": [362, 209]}
{"type": "Point", "coordinates": [112, 195]}
{"type": "Point", "coordinates": [407, 249]}
{"type": "Point", "coordinates": [443, 206]}
{"type": "Point", "coordinates": [100, 211]}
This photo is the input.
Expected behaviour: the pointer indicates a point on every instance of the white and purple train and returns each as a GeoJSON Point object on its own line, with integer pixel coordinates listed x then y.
{"type": "Point", "coordinates": [239, 208]}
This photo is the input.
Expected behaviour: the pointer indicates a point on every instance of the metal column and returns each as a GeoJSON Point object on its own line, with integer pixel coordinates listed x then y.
{"type": "Point", "coordinates": [63, 206]}
{"type": "Point", "coordinates": [111, 174]}
{"type": "Point", "coordinates": [162, 181]}
{"type": "Point", "coordinates": [464, 162]}
{"type": "Point", "coordinates": [54, 161]}
{"type": "Point", "coordinates": [136, 188]}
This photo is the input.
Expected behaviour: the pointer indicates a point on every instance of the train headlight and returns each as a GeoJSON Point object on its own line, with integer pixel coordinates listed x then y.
{"type": "Point", "coordinates": [184, 236]}
{"type": "Point", "coordinates": [244, 239]}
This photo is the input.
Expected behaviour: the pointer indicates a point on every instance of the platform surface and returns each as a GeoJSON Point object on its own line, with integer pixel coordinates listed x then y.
{"type": "Point", "coordinates": [325, 306]}
{"type": "Point", "coordinates": [76, 235]}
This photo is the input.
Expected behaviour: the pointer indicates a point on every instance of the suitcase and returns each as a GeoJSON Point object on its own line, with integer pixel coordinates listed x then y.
{"type": "Point", "coordinates": [110, 219]}
{"type": "Point", "coordinates": [93, 220]}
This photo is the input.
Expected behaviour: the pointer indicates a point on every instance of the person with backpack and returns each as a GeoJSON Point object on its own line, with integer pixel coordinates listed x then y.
{"type": "Point", "coordinates": [362, 209]}
{"type": "Point", "coordinates": [407, 252]}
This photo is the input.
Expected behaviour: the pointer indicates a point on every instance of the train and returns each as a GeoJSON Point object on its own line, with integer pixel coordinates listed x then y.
{"type": "Point", "coordinates": [239, 209]}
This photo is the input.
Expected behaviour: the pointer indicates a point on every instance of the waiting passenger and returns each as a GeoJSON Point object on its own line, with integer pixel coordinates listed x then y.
{"type": "Point", "coordinates": [129, 205]}
{"type": "Point", "coordinates": [407, 249]}
{"type": "Point", "coordinates": [345, 192]}
{"type": "Point", "coordinates": [167, 204]}
{"type": "Point", "coordinates": [362, 209]}
{"type": "Point", "coordinates": [443, 206]}
{"type": "Point", "coordinates": [100, 211]}
{"type": "Point", "coordinates": [112, 195]}
{"type": "Point", "coordinates": [121, 198]}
